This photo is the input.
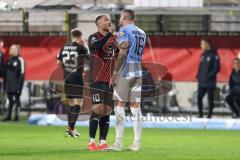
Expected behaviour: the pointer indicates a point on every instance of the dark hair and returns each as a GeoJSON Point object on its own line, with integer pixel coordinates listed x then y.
{"type": "Point", "coordinates": [1, 40]}
{"type": "Point", "coordinates": [76, 33]}
{"type": "Point", "coordinates": [99, 17]}
{"type": "Point", "coordinates": [130, 14]}
{"type": "Point", "coordinates": [208, 42]}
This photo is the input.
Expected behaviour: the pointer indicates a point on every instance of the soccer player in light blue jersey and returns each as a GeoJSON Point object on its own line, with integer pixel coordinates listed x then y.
{"type": "Point", "coordinates": [127, 78]}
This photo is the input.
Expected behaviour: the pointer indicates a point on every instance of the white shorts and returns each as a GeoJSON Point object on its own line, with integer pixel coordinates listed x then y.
{"type": "Point", "coordinates": [128, 89]}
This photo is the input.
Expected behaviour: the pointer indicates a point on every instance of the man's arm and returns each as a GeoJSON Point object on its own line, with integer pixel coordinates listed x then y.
{"type": "Point", "coordinates": [21, 74]}
{"type": "Point", "coordinates": [123, 47]}
{"type": "Point", "coordinates": [59, 58]}
{"type": "Point", "coordinates": [59, 62]}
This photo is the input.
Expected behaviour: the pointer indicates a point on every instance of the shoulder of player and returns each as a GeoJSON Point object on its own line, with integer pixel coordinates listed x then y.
{"type": "Point", "coordinates": [81, 47]}
{"type": "Point", "coordinates": [124, 29]}
{"type": "Point", "coordinates": [69, 44]}
{"type": "Point", "coordinates": [140, 30]}
{"type": "Point", "coordinates": [72, 44]}
{"type": "Point", "coordinates": [92, 36]}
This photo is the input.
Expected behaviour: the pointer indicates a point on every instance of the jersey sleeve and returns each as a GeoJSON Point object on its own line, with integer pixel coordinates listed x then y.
{"type": "Point", "coordinates": [122, 37]}
{"type": "Point", "coordinates": [83, 50]}
{"type": "Point", "coordinates": [91, 40]}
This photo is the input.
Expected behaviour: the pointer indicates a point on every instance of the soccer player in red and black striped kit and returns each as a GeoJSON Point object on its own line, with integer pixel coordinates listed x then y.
{"type": "Point", "coordinates": [103, 51]}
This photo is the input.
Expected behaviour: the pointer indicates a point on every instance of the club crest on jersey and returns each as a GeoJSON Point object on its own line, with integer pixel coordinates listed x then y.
{"type": "Point", "coordinates": [121, 33]}
{"type": "Point", "coordinates": [15, 64]}
{"type": "Point", "coordinates": [94, 39]}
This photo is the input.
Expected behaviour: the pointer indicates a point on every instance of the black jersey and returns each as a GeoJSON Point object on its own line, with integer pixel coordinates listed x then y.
{"type": "Point", "coordinates": [72, 57]}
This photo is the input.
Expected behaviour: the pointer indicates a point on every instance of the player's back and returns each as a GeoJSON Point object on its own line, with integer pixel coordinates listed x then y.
{"type": "Point", "coordinates": [72, 55]}
{"type": "Point", "coordinates": [136, 38]}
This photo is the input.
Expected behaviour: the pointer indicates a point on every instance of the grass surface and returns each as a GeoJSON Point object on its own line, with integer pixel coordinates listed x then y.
{"type": "Point", "coordinates": [23, 142]}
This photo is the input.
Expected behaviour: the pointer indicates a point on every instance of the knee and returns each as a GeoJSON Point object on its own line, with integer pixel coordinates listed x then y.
{"type": "Point", "coordinates": [137, 114]}
{"type": "Point", "coordinates": [120, 113]}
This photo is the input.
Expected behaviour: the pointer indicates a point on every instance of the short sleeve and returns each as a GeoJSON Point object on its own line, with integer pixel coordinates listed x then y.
{"type": "Point", "coordinates": [122, 37]}
{"type": "Point", "coordinates": [92, 38]}
{"type": "Point", "coordinates": [83, 50]}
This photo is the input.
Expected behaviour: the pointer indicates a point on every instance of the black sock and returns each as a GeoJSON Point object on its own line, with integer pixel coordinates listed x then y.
{"type": "Point", "coordinates": [104, 126]}
{"type": "Point", "coordinates": [93, 125]}
{"type": "Point", "coordinates": [73, 113]}
{"type": "Point", "coordinates": [69, 115]}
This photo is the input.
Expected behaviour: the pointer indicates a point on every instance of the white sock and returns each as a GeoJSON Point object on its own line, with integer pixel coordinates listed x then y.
{"type": "Point", "coordinates": [91, 140]}
{"type": "Point", "coordinates": [137, 124]}
{"type": "Point", "coordinates": [119, 125]}
{"type": "Point", "coordinates": [102, 141]}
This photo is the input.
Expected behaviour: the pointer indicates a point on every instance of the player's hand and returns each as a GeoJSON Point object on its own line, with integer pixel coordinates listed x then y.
{"type": "Point", "coordinates": [110, 82]}
{"type": "Point", "coordinates": [113, 80]}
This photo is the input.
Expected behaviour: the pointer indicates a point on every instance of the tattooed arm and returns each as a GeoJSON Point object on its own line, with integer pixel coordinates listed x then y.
{"type": "Point", "coordinates": [122, 55]}
{"type": "Point", "coordinates": [123, 47]}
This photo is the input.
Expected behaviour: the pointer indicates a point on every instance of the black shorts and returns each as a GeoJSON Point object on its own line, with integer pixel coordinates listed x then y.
{"type": "Point", "coordinates": [101, 93]}
{"type": "Point", "coordinates": [73, 89]}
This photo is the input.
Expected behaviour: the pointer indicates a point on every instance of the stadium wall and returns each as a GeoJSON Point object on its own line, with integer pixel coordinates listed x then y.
{"type": "Point", "coordinates": [180, 54]}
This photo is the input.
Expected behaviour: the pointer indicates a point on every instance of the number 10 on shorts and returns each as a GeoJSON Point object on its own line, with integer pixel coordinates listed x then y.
{"type": "Point", "coordinates": [96, 98]}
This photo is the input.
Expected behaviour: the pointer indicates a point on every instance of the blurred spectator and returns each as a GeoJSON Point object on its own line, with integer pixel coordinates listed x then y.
{"type": "Point", "coordinates": [233, 99]}
{"type": "Point", "coordinates": [207, 76]}
{"type": "Point", "coordinates": [14, 79]}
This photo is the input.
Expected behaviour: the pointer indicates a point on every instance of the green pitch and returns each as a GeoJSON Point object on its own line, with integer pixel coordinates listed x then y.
{"type": "Point", "coordinates": [24, 142]}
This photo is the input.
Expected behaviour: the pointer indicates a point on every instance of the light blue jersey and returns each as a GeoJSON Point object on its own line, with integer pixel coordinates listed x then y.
{"type": "Point", "coordinates": [136, 39]}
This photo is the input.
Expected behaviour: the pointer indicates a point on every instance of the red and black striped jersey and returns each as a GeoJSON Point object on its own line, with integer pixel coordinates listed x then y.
{"type": "Point", "coordinates": [103, 53]}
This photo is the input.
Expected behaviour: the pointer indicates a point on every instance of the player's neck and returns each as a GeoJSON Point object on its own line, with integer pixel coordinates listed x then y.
{"type": "Point", "coordinates": [128, 23]}
{"type": "Point", "coordinates": [102, 32]}
{"type": "Point", "coordinates": [74, 40]}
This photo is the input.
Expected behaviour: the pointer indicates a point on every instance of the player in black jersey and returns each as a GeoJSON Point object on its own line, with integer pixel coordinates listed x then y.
{"type": "Point", "coordinates": [71, 59]}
